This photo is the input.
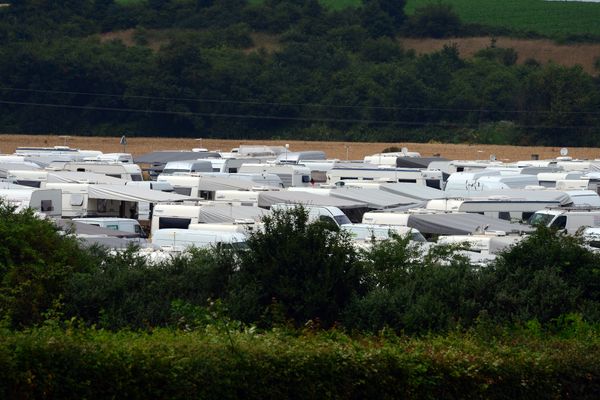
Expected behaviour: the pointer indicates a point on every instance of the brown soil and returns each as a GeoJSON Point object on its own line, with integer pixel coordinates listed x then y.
{"type": "Point", "coordinates": [542, 51]}
{"type": "Point", "coordinates": [356, 150]}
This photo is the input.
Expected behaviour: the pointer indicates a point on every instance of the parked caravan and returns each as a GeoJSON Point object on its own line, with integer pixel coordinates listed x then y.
{"type": "Point", "coordinates": [129, 172]}
{"type": "Point", "coordinates": [237, 197]}
{"type": "Point", "coordinates": [570, 219]}
{"type": "Point", "coordinates": [174, 216]}
{"type": "Point", "coordinates": [497, 206]}
{"type": "Point", "coordinates": [493, 242]}
{"type": "Point", "coordinates": [231, 165]}
{"type": "Point", "coordinates": [182, 239]}
{"type": "Point", "coordinates": [290, 175]}
{"type": "Point", "coordinates": [187, 167]}
{"type": "Point", "coordinates": [205, 185]}
{"type": "Point", "coordinates": [369, 173]}
{"type": "Point", "coordinates": [44, 201]}
{"type": "Point", "coordinates": [549, 179]}
{"type": "Point", "coordinates": [116, 224]}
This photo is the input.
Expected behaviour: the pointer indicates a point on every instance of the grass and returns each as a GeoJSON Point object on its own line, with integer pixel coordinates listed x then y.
{"type": "Point", "coordinates": [549, 18]}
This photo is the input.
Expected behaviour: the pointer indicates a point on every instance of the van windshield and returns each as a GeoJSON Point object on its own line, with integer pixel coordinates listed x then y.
{"type": "Point", "coordinates": [540, 219]}
{"type": "Point", "coordinates": [342, 219]}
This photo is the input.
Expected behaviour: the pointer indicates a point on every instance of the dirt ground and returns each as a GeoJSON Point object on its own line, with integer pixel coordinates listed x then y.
{"type": "Point", "coordinates": [341, 150]}
{"type": "Point", "coordinates": [543, 51]}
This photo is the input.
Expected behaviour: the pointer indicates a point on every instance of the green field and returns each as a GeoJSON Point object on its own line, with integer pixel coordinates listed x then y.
{"type": "Point", "coordinates": [551, 18]}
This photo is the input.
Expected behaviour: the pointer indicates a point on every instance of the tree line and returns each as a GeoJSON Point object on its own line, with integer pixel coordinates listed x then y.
{"type": "Point", "coordinates": [295, 273]}
{"type": "Point", "coordinates": [334, 74]}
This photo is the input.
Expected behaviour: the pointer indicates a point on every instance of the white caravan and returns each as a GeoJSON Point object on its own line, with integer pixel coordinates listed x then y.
{"type": "Point", "coordinates": [129, 172]}
{"type": "Point", "coordinates": [298, 157]}
{"type": "Point", "coordinates": [369, 173]}
{"type": "Point", "coordinates": [291, 175]}
{"type": "Point", "coordinates": [44, 201]}
{"type": "Point", "coordinates": [117, 224]}
{"type": "Point", "coordinates": [182, 239]}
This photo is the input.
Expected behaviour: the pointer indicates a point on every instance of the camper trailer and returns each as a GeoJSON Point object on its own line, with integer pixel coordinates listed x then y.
{"type": "Point", "coordinates": [290, 175]}
{"type": "Point", "coordinates": [369, 173]}
{"type": "Point", "coordinates": [298, 157]}
{"type": "Point", "coordinates": [328, 214]}
{"type": "Point", "coordinates": [182, 239]}
{"type": "Point", "coordinates": [117, 224]}
{"type": "Point", "coordinates": [129, 172]}
{"type": "Point", "coordinates": [44, 201]}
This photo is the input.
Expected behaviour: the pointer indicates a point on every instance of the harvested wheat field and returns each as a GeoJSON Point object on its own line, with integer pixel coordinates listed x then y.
{"type": "Point", "coordinates": [354, 150]}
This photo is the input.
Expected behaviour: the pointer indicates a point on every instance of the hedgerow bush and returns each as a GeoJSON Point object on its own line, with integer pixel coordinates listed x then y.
{"type": "Point", "coordinates": [75, 363]}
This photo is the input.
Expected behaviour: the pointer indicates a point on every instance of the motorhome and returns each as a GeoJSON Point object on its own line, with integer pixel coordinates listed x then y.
{"type": "Point", "coordinates": [117, 224]}
{"type": "Point", "coordinates": [570, 219]}
{"type": "Point", "coordinates": [327, 214]}
{"type": "Point", "coordinates": [290, 175]}
{"type": "Point", "coordinates": [369, 173]}
{"type": "Point", "coordinates": [367, 232]}
{"type": "Point", "coordinates": [129, 172]}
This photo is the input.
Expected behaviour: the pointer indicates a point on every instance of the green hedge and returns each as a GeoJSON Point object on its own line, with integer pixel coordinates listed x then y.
{"type": "Point", "coordinates": [83, 363]}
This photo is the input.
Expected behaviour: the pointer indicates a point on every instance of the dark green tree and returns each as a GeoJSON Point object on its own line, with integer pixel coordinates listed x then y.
{"type": "Point", "coordinates": [301, 268]}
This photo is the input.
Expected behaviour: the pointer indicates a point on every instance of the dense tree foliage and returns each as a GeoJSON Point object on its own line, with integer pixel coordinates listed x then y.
{"type": "Point", "coordinates": [298, 273]}
{"type": "Point", "coordinates": [193, 69]}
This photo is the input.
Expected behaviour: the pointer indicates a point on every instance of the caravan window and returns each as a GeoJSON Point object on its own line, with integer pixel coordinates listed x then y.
{"type": "Point", "coordinates": [181, 223]}
{"type": "Point", "coordinates": [112, 227]}
{"type": "Point", "coordinates": [76, 199]}
{"type": "Point", "coordinates": [407, 180]}
{"type": "Point", "coordinates": [433, 183]}
{"type": "Point", "coordinates": [505, 215]}
{"type": "Point", "coordinates": [136, 177]}
{"type": "Point", "coordinates": [305, 178]}
{"type": "Point", "coordinates": [183, 190]}
{"type": "Point", "coordinates": [35, 184]}
{"type": "Point", "coordinates": [46, 205]}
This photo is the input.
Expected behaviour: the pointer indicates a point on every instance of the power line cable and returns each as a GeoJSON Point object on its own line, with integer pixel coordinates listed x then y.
{"type": "Point", "coordinates": [316, 105]}
{"type": "Point", "coordinates": [278, 117]}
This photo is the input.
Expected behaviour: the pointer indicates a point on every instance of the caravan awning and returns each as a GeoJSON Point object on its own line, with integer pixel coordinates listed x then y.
{"type": "Point", "coordinates": [374, 198]}
{"type": "Point", "coordinates": [461, 224]}
{"type": "Point", "coordinates": [132, 193]}
{"type": "Point", "coordinates": [82, 177]}
{"type": "Point", "coordinates": [219, 213]}
{"type": "Point", "coordinates": [267, 199]}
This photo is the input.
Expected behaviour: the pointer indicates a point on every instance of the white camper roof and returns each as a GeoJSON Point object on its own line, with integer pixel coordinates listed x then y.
{"type": "Point", "coordinates": [218, 213]}
{"type": "Point", "coordinates": [132, 193]}
{"type": "Point", "coordinates": [267, 199]}
{"type": "Point", "coordinates": [373, 198]}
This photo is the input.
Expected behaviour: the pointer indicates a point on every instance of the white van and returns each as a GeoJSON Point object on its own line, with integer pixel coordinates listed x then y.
{"type": "Point", "coordinates": [117, 224]}
{"type": "Point", "coordinates": [322, 213]}
{"type": "Point", "coordinates": [571, 219]}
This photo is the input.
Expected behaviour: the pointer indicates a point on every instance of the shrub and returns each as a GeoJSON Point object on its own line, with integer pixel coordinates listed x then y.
{"type": "Point", "coordinates": [36, 262]}
{"type": "Point", "coordinates": [303, 268]}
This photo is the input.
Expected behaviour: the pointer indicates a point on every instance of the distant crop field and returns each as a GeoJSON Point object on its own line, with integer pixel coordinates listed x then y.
{"type": "Point", "coordinates": [552, 18]}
